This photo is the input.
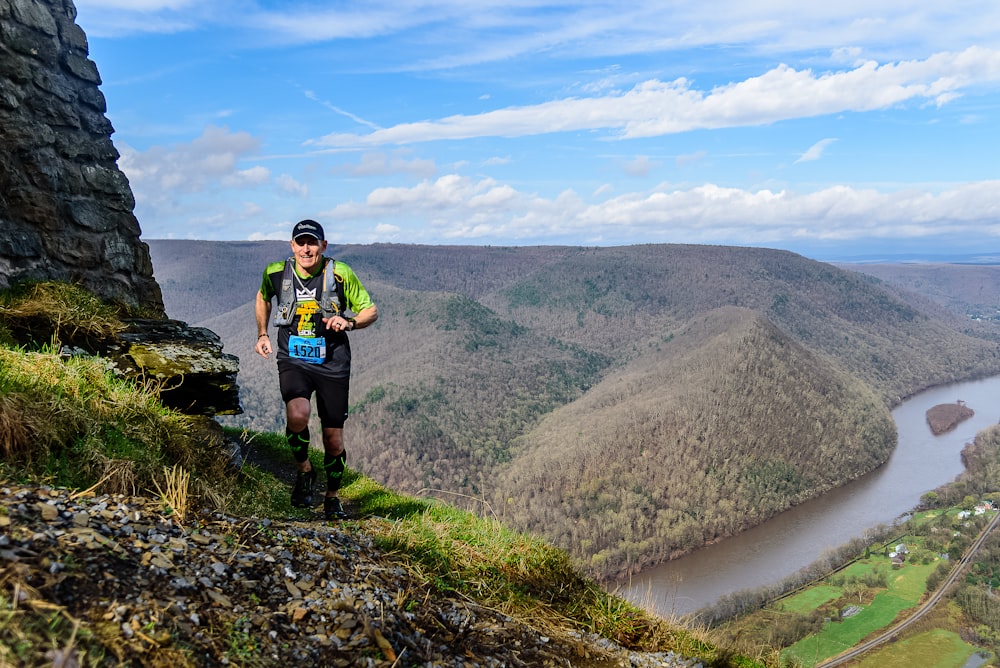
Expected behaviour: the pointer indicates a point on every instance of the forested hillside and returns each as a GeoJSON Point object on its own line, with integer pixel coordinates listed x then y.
{"type": "Point", "coordinates": [626, 403]}
{"type": "Point", "coordinates": [673, 451]}
{"type": "Point", "coordinates": [969, 290]}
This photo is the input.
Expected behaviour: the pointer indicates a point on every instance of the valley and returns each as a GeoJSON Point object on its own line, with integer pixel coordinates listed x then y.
{"type": "Point", "coordinates": [629, 404]}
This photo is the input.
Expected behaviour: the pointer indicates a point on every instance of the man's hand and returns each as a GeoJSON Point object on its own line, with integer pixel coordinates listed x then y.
{"type": "Point", "coordinates": [263, 346]}
{"type": "Point", "coordinates": [338, 323]}
{"type": "Point", "coordinates": [262, 313]}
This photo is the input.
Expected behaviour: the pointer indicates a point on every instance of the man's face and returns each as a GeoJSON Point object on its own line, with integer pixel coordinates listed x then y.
{"type": "Point", "coordinates": [307, 251]}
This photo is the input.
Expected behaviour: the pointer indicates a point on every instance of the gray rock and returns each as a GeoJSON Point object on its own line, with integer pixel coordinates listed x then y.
{"type": "Point", "coordinates": [66, 209]}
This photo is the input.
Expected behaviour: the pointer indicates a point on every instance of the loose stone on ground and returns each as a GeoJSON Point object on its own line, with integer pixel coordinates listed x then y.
{"type": "Point", "coordinates": [278, 592]}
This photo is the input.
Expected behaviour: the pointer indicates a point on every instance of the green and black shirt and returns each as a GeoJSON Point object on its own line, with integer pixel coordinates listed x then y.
{"type": "Point", "coordinates": [306, 339]}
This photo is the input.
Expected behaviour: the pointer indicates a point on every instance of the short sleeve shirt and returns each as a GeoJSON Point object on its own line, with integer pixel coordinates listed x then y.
{"type": "Point", "coordinates": [324, 350]}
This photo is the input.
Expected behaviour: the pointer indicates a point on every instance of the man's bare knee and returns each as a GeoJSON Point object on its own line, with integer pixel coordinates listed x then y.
{"type": "Point", "coordinates": [297, 414]}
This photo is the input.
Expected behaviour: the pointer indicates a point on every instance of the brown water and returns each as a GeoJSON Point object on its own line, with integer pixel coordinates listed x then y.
{"type": "Point", "coordinates": [784, 544]}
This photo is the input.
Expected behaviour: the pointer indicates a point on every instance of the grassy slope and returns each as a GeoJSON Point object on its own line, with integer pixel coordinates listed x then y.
{"type": "Point", "coordinates": [483, 356]}
{"type": "Point", "coordinates": [70, 423]}
{"type": "Point", "coordinates": [947, 649]}
{"type": "Point", "coordinates": [904, 592]}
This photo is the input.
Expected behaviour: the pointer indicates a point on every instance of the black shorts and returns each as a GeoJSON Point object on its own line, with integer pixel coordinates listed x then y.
{"type": "Point", "coordinates": [301, 380]}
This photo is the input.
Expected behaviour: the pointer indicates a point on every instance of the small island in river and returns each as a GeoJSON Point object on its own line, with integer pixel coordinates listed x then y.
{"type": "Point", "coordinates": [945, 417]}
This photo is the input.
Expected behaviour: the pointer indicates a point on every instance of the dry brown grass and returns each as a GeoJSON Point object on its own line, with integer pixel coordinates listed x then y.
{"type": "Point", "coordinates": [72, 421]}
{"type": "Point", "coordinates": [174, 492]}
{"type": "Point", "coordinates": [14, 431]}
{"type": "Point", "coordinates": [39, 399]}
{"type": "Point", "coordinates": [57, 313]}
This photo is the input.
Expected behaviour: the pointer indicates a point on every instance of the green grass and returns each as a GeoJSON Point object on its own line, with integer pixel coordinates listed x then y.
{"type": "Point", "coordinates": [932, 649]}
{"type": "Point", "coordinates": [811, 598]}
{"type": "Point", "coordinates": [480, 558]}
{"type": "Point", "coordinates": [74, 423]}
{"type": "Point", "coordinates": [860, 569]}
{"type": "Point", "coordinates": [905, 588]}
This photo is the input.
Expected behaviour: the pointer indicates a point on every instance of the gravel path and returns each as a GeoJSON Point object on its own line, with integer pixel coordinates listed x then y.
{"type": "Point", "coordinates": [226, 590]}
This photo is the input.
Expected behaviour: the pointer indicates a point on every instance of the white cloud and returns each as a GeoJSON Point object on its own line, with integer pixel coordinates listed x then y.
{"type": "Point", "coordinates": [115, 18]}
{"type": "Point", "coordinates": [189, 167]}
{"type": "Point", "coordinates": [343, 112]}
{"type": "Point", "coordinates": [656, 108]}
{"type": "Point", "coordinates": [815, 152]}
{"type": "Point", "coordinates": [781, 60]}
{"type": "Point", "coordinates": [378, 163]}
{"type": "Point", "coordinates": [503, 31]}
{"type": "Point", "coordinates": [347, 22]}
{"type": "Point", "coordinates": [455, 208]}
{"type": "Point", "coordinates": [269, 235]}
{"type": "Point", "coordinates": [386, 231]}
{"type": "Point", "coordinates": [164, 179]}
{"type": "Point", "coordinates": [640, 165]}
{"type": "Point", "coordinates": [137, 5]}
{"type": "Point", "coordinates": [247, 177]}
{"type": "Point", "coordinates": [446, 34]}
{"type": "Point", "coordinates": [288, 184]}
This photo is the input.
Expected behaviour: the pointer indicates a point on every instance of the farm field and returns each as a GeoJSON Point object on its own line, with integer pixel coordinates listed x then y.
{"type": "Point", "coordinates": [904, 590]}
{"type": "Point", "coordinates": [937, 648]}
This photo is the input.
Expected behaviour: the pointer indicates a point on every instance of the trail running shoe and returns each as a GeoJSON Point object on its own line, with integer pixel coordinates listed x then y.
{"type": "Point", "coordinates": [332, 509]}
{"type": "Point", "coordinates": [302, 493]}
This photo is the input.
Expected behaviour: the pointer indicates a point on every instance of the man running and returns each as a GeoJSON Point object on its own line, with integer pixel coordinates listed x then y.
{"type": "Point", "coordinates": [316, 299]}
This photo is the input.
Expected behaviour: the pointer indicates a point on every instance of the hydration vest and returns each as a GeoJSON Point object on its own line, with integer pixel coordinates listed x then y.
{"type": "Point", "coordinates": [331, 299]}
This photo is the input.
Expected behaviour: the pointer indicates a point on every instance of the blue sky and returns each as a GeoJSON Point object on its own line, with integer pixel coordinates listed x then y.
{"type": "Point", "coordinates": [851, 128]}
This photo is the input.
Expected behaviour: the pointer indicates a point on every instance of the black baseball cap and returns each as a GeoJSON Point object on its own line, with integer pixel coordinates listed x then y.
{"type": "Point", "coordinates": [308, 228]}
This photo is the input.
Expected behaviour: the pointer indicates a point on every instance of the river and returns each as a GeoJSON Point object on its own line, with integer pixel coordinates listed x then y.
{"type": "Point", "coordinates": [796, 538]}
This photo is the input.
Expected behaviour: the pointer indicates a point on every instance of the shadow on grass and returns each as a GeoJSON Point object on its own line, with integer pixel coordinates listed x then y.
{"type": "Point", "coordinates": [372, 499]}
{"type": "Point", "coordinates": [362, 496]}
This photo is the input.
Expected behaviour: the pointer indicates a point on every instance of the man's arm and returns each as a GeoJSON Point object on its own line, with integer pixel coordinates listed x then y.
{"type": "Point", "coordinates": [366, 316]}
{"type": "Point", "coordinates": [262, 311]}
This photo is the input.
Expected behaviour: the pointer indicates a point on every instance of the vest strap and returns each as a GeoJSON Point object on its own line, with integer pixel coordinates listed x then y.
{"type": "Point", "coordinates": [285, 312]}
{"type": "Point", "coordinates": [331, 302]}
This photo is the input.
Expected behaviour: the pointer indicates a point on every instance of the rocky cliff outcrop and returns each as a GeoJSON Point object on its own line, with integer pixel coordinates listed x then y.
{"type": "Point", "coordinates": [66, 209]}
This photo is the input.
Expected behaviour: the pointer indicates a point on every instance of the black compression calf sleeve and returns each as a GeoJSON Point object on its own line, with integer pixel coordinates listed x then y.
{"type": "Point", "coordinates": [299, 443]}
{"type": "Point", "coordinates": [334, 467]}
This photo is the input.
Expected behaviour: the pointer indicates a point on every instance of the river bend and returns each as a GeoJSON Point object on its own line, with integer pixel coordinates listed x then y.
{"type": "Point", "coordinates": [796, 538]}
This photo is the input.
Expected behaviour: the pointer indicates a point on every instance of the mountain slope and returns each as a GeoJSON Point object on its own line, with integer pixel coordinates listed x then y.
{"type": "Point", "coordinates": [728, 424]}
{"type": "Point", "coordinates": [972, 291]}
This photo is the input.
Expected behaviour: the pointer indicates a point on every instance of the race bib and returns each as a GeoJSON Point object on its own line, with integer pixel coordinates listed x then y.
{"type": "Point", "coordinates": [307, 349]}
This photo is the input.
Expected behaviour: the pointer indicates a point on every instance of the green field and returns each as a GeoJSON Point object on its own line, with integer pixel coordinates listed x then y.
{"type": "Point", "coordinates": [933, 649]}
{"type": "Point", "coordinates": [811, 598]}
{"type": "Point", "coordinates": [905, 587]}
